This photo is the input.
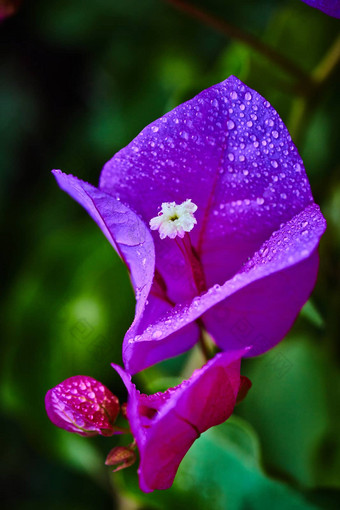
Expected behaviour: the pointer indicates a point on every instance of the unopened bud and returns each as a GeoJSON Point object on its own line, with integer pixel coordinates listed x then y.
{"type": "Point", "coordinates": [82, 405]}
{"type": "Point", "coordinates": [121, 457]}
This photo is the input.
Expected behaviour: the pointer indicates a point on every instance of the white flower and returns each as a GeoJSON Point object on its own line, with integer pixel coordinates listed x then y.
{"type": "Point", "coordinates": [174, 220]}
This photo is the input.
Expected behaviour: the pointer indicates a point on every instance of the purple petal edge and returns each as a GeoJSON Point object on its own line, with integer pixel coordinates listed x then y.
{"type": "Point", "coordinates": [329, 7]}
{"type": "Point", "coordinates": [125, 231]}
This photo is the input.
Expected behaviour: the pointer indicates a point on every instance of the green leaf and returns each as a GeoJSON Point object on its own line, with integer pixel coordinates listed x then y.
{"type": "Point", "coordinates": [221, 470]}
{"type": "Point", "coordinates": [290, 407]}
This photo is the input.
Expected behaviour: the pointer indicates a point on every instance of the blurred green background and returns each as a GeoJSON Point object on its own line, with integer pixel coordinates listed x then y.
{"type": "Point", "coordinates": [80, 79]}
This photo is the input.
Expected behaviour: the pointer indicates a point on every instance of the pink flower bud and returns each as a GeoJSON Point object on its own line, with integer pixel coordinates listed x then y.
{"type": "Point", "coordinates": [82, 405]}
{"type": "Point", "coordinates": [121, 456]}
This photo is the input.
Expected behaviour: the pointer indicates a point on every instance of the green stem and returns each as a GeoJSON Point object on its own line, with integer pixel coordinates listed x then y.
{"type": "Point", "coordinates": [303, 107]}
{"type": "Point", "coordinates": [325, 69]}
{"type": "Point", "coordinates": [250, 40]}
{"type": "Point", "coordinates": [204, 347]}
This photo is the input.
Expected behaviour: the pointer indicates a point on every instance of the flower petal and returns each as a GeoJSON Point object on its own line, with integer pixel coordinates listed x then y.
{"type": "Point", "coordinates": [228, 150]}
{"type": "Point", "coordinates": [280, 276]}
{"type": "Point", "coordinates": [137, 356]}
{"type": "Point", "coordinates": [126, 232]}
{"type": "Point", "coordinates": [181, 415]}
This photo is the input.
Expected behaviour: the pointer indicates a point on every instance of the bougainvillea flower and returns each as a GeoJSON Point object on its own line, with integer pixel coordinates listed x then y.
{"type": "Point", "coordinates": [165, 425]}
{"type": "Point", "coordinates": [330, 7]}
{"type": "Point", "coordinates": [250, 260]}
{"type": "Point", "coordinates": [82, 405]}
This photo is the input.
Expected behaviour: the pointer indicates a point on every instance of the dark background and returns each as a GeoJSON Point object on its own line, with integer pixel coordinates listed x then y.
{"type": "Point", "coordinates": [79, 79]}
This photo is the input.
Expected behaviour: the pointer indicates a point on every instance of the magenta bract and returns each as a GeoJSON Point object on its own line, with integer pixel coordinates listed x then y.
{"type": "Point", "coordinates": [83, 405]}
{"type": "Point", "coordinates": [330, 7]}
{"type": "Point", "coordinates": [254, 246]}
{"type": "Point", "coordinates": [165, 425]}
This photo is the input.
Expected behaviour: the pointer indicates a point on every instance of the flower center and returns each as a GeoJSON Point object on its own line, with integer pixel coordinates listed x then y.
{"type": "Point", "coordinates": [174, 221]}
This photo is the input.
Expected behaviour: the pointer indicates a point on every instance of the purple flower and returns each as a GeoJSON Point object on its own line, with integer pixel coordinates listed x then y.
{"type": "Point", "coordinates": [165, 425]}
{"type": "Point", "coordinates": [82, 405]}
{"type": "Point", "coordinates": [250, 261]}
{"type": "Point", "coordinates": [330, 7]}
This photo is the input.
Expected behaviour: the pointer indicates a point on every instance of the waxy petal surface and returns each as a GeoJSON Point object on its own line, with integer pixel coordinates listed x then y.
{"type": "Point", "coordinates": [330, 7]}
{"type": "Point", "coordinates": [125, 231]}
{"type": "Point", "coordinates": [82, 405]}
{"type": "Point", "coordinates": [228, 150]}
{"type": "Point", "coordinates": [267, 293]}
{"type": "Point", "coordinates": [166, 424]}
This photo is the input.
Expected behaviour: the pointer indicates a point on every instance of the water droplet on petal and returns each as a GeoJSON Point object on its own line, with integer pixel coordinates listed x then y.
{"type": "Point", "coordinates": [156, 334]}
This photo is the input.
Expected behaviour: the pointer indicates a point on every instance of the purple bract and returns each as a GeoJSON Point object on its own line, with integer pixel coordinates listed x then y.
{"type": "Point", "coordinates": [250, 261]}
{"type": "Point", "coordinates": [165, 425]}
{"type": "Point", "coordinates": [83, 405]}
{"type": "Point", "coordinates": [330, 7]}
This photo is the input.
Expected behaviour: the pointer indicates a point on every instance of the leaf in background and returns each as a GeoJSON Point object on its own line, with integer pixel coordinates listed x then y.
{"type": "Point", "coordinates": [289, 406]}
{"type": "Point", "coordinates": [221, 470]}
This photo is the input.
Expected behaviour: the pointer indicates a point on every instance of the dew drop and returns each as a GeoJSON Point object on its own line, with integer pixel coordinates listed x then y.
{"type": "Point", "coordinates": [156, 334]}
{"type": "Point", "coordinates": [230, 124]}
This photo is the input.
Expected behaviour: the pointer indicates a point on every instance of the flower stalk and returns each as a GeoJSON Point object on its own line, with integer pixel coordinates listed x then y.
{"type": "Point", "coordinates": [246, 38]}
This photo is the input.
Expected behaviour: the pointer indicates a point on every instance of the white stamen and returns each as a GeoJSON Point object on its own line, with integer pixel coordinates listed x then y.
{"type": "Point", "coordinates": [174, 220]}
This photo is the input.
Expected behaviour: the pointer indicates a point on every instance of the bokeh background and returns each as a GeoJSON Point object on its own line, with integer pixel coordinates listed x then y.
{"type": "Point", "coordinates": [79, 79]}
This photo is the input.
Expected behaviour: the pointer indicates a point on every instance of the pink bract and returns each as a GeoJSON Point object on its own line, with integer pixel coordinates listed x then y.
{"type": "Point", "coordinates": [82, 405]}
{"type": "Point", "coordinates": [165, 425]}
